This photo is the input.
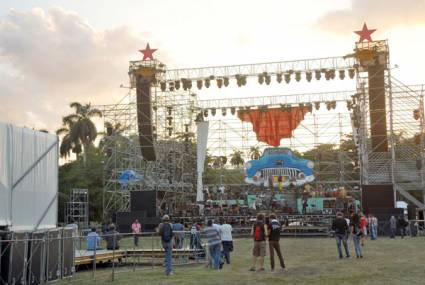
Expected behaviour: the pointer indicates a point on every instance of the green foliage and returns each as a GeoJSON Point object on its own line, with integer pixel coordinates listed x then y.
{"type": "Point", "coordinates": [76, 174]}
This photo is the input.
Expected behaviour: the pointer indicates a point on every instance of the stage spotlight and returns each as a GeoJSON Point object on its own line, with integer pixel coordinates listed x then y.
{"type": "Point", "coordinates": [213, 111]}
{"type": "Point", "coordinates": [226, 81]}
{"type": "Point", "coordinates": [171, 86]}
{"type": "Point", "coordinates": [341, 74]}
{"type": "Point", "coordinates": [333, 104]}
{"type": "Point", "coordinates": [199, 84]}
{"type": "Point", "coordinates": [267, 79]}
{"type": "Point", "coordinates": [163, 85]}
{"type": "Point", "coordinates": [317, 105]}
{"type": "Point", "coordinates": [243, 80]}
{"type": "Point", "coordinates": [184, 83]}
{"type": "Point", "coordinates": [189, 84]}
{"type": "Point", "coordinates": [177, 84]}
{"type": "Point", "coordinates": [308, 75]}
{"type": "Point", "coordinates": [279, 77]}
{"type": "Point", "coordinates": [206, 113]}
{"type": "Point", "coordinates": [219, 82]}
{"type": "Point", "coordinates": [417, 139]}
{"type": "Point", "coordinates": [223, 111]}
{"type": "Point", "coordinates": [328, 105]}
{"type": "Point", "coordinates": [332, 73]}
{"type": "Point", "coordinates": [232, 110]}
{"type": "Point", "coordinates": [260, 78]}
{"type": "Point", "coordinates": [287, 77]}
{"type": "Point", "coordinates": [317, 74]}
{"type": "Point", "coordinates": [351, 73]}
{"type": "Point", "coordinates": [416, 114]}
{"type": "Point", "coordinates": [207, 83]}
{"type": "Point", "coordinates": [327, 75]}
{"type": "Point", "coordinates": [349, 105]}
{"type": "Point", "coordinates": [298, 76]}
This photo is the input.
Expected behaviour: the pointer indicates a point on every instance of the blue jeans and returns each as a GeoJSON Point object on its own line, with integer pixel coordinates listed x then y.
{"type": "Point", "coordinates": [342, 238]}
{"type": "Point", "coordinates": [357, 246]}
{"type": "Point", "coordinates": [168, 247]}
{"type": "Point", "coordinates": [373, 232]}
{"type": "Point", "coordinates": [393, 232]}
{"type": "Point", "coordinates": [215, 255]}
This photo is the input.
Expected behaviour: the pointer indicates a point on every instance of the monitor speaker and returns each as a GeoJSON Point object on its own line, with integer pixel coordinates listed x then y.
{"type": "Point", "coordinates": [37, 258]}
{"type": "Point", "coordinates": [54, 253]}
{"type": "Point", "coordinates": [143, 201]}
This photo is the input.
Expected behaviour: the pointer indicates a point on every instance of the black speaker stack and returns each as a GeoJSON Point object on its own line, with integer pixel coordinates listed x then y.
{"type": "Point", "coordinates": [36, 257]}
{"type": "Point", "coordinates": [143, 208]}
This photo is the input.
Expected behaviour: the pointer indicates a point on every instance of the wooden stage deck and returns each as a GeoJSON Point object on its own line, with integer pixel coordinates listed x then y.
{"type": "Point", "coordinates": [85, 257]}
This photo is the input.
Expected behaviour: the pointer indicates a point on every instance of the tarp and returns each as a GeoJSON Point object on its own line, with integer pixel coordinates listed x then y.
{"type": "Point", "coordinates": [201, 152]}
{"type": "Point", "coordinates": [28, 178]}
{"type": "Point", "coordinates": [273, 124]}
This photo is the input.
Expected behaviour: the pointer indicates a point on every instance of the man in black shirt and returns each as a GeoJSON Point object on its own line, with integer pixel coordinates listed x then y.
{"type": "Point", "coordinates": [274, 236]}
{"type": "Point", "coordinates": [340, 227]}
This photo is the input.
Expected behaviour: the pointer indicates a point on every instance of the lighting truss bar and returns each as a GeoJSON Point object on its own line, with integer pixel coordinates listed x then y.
{"type": "Point", "coordinates": [230, 71]}
{"type": "Point", "coordinates": [276, 100]}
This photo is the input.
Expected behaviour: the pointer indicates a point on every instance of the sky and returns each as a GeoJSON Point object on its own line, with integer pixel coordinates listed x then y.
{"type": "Point", "coordinates": [56, 52]}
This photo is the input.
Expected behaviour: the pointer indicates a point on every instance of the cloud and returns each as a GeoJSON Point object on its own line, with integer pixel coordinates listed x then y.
{"type": "Point", "coordinates": [49, 59]}
{"type": "Point", "coordinates": [381, 14]}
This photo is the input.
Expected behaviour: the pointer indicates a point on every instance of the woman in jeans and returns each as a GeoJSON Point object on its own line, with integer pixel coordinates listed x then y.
{"type": "Point", "coordinates": [357, 234]}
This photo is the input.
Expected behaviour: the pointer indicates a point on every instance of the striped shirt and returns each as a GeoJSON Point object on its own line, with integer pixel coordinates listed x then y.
{"type": "Point", "coordinates": [213, 235]}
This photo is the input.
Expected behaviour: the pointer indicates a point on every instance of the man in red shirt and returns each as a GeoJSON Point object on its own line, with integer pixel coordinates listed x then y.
{"type": "Point", "coordinates": [136, 228]}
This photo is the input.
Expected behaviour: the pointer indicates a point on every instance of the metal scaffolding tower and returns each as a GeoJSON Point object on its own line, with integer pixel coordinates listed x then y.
{"type": "Point", "coordinates": [77, 209]}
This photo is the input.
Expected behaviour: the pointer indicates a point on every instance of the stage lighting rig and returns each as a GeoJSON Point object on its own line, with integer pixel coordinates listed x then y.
{"type": "Point", "coordinates": [317, 105]}
{"type": "Point", "coordinates": [260, 78]}
{"type": "Point", "coordinates": [205, 113]}
{"type": "Point", "coordinates": [177, 84]}
{"type": "Point", "coordinates": [317, 74]}
{"type": "Point", "coordinates": [287, 77]}
{"type": "Point", "coordinates": [219, 82]}
{"type": "Point", "coordinates": [163, 86]}
{"type": "Point", "coordinates": [232, 110]}
{"type": "Point", "coordinates": [308, 75]}
{"type": "Point", "coordinates": [223, 111]}
{"type": "Point", "coordinates": [199, 84]}
{"type": "Point", "coordinates": [416, 114]}
{"type": "Point", "coordinates": [226, 81]}
{"type": "Point", "coordinates": [351, 73]}
{"type": "Point", "coordinates": [341, 74]}
{"type": "Point", "coordinates": [207, 83]}
{"type": "Point", "coordinates": [171, 86]}
{"type": "Point", "coordinates": [279, 77]}
{"type": "Point", "coordinates": [213, 111]}
{"type": "Point", "coordinates": [298, 76]}
{"type": "Point", "coordinates": [267, 78]}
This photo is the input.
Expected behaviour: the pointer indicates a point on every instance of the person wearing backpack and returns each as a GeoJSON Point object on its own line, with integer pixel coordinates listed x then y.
{"type": "Point", "coordinates": [165, 230]}
{"type": "Point", "coordinates": [274, 236]}
{"type": "Point", "coordinates": [259, 233]}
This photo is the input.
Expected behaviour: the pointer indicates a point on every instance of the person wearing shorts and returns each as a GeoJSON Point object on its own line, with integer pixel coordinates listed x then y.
{"type": "Point", "coordinates": [259, 233]}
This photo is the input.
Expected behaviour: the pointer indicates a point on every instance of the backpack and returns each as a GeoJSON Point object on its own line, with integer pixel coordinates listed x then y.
{"type": "Point", "coordinates": [259, 232]}
{"type": "Point", "coordinates": [167, 233]}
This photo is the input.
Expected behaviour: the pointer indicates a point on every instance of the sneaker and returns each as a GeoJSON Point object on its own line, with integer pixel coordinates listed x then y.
{"type": "Point", "coordinates": [252, 269]}
{"type": "Point", "coordinates": [283, 269]}
{"type": "Point", "coordinates": [347, 256]}
{"type": "Point", "coordinates": [261, 270]}
{"type": "Point", "coordinates": [361, 256]}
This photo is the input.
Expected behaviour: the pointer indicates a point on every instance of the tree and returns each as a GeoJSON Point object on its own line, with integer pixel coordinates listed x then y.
{"type": "Point", "coordinates": [219, 161]}
{"type": "Point", "coordinates": [79, 130]}
{"type": "Point", "coordinates": [254, 152]}
{"type": "Point", "coordinates": [236, 158]}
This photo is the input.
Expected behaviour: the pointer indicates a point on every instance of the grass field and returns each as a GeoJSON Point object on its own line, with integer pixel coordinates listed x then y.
{"type": "Point", "coordinates": [309, 261]}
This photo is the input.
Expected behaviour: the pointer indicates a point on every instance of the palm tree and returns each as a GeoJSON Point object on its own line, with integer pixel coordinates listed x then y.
{"type": "Point", "coordinates": [236, 158]}
{"type": "Point", "coordinates": [219, 161]}
{"type": "Point", "coordinates": [254, 152]}
{"type": "Point", "coordinates": [80, 132]}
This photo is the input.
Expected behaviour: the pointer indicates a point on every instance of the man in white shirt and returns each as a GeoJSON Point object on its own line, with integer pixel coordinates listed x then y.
{"type": "Point", "coordinates": [226, 240]}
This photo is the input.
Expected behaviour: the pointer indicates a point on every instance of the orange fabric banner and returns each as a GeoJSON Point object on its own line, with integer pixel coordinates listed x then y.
{"type": "Point", "coordinates": [272, 125]}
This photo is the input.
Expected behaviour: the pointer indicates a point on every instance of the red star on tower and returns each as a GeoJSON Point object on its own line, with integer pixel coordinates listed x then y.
{"type": "Point", "coordinates": [148, 52]}
{"type": "Point", "coordinates": [365, 33]}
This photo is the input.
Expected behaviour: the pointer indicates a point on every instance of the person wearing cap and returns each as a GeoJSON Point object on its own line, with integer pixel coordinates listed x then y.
{"type": "Point", "coordinates": [165, 230]}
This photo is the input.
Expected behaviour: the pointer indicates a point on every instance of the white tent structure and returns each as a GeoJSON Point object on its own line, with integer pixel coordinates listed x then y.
{"type": "Point", "coordinates": [28, 179]}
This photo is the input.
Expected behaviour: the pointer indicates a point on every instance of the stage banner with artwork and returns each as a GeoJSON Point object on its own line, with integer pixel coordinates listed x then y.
{"type": "Point", "coordinates": [273, 124]}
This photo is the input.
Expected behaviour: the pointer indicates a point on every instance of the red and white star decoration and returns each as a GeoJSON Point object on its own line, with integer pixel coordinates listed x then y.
{"type": "Point", "coordinates": [148, 52]}
{"type": "Point", "coordinates": [365, 33]}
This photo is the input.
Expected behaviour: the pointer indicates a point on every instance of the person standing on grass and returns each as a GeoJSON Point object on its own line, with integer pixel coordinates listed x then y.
{"type": "Point", "coordinates": [178, 230]}
{"type": "Point", "coordinates": [226, 240]}
{"type": "Point", "coordinates": [136, 228]}
{"type": "Point", "coordinates": [373, 226]}
{"type": "Point", "coordinates": [341, 229]}
{"type": "Point", "coordinates": [357, 234]}
{"type": "Point", "coordinates": [259, 233]}
{"type": "Point", "coordinates": [402, 224]}
{"type": "Point", "coordinates": [165, 230]}
{"type": "Point", "coordinates": [213, 236]}
{"type": "Point", "coordinates": [274, 237]}
{"type": "Point", "coordinates": [363, 228]}
{"type": "Point", "coordinates": [393, 226]}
